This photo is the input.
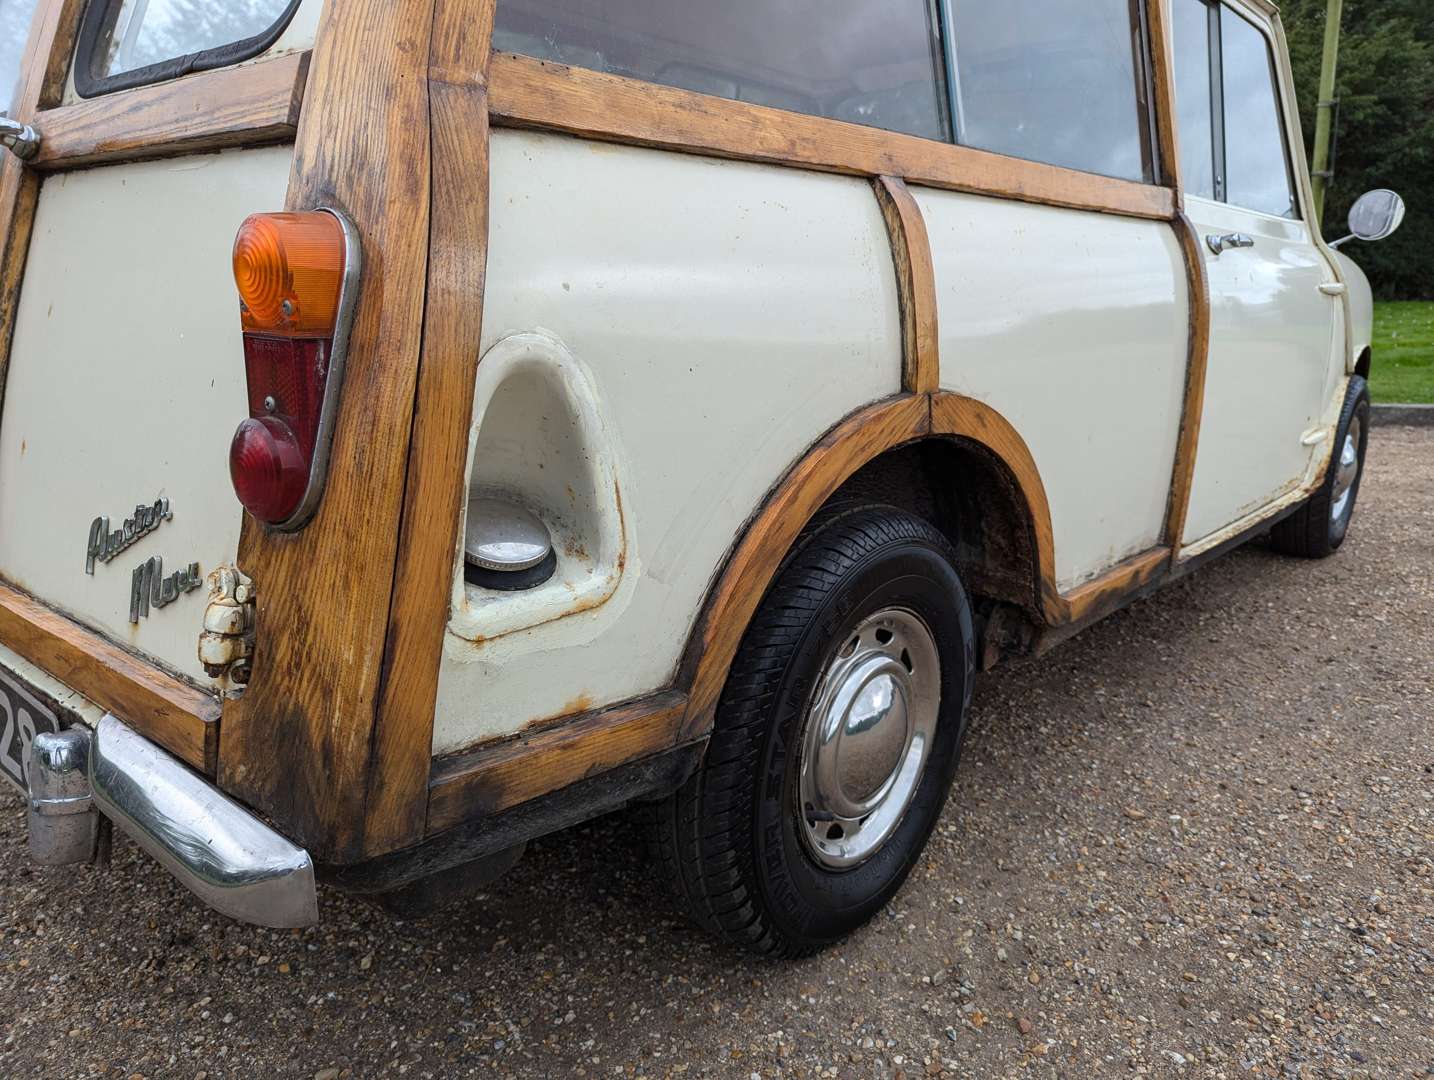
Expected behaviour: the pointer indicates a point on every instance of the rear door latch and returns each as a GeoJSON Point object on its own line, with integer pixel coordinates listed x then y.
{"type": "Point", "coordinates": [226, 644]}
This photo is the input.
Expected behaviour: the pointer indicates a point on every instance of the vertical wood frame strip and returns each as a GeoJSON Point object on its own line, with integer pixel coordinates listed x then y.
{"type": "Point", "coordinates": [1188, 444]}
{"type": "Point", "coordinates": [298, 744]}
{"type": "Point", "coordinates": [1162, 79]}
{"type": "Point", "coordinates": [448, 367]}
{"type": "Point", "coordinates": [42, 79]}
{"type": "Point", "coordinates": [915, 285]}
{"type": "Point", "coordinates": [527, 92]}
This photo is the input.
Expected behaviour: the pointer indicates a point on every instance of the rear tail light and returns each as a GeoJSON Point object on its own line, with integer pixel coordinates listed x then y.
{"type": "Point", "coordinates": [297, 274]}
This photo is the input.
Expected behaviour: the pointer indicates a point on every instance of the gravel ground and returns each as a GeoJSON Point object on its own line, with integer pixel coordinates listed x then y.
{"type": "Point", "coordinates": [1198, 840]}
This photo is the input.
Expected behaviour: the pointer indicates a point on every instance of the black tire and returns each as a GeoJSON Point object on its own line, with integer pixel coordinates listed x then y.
{"type": "Point", "coordinates": [1313, 531]}
{"type": "Point", "coordinates": [729, 838]}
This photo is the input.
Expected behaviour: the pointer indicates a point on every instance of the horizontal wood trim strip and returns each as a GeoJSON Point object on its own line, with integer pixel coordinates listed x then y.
{"type": "Point", "coordinates": [491, 779]}
{"type": "Point", "coordinates": [180, 718]}
{"type": "Point", "coordinates": [525, 92]}
{"type": "Point", "coordinates": [239, 106]}
{"type": "Point", "coordinates": [1112, 589]}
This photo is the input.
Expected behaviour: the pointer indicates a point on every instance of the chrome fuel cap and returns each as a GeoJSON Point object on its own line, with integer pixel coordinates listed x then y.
{"type": "Point", "coordinates": [504, 537]}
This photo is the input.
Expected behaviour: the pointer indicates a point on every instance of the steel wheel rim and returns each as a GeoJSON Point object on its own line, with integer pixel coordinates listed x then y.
{"type": "Point", "coordinates": [1346, 471]}
{"type": "Point", "coordinates": [867, 736]}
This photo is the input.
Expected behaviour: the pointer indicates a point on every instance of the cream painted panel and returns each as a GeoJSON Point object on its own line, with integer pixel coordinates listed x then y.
{"type": "Point", "coordinates": [126, 383]}
{"type": "Point", "coordinates": [1273, 366]}
{"type": "Point", "coordinates": [726, 315]}
{"type": "Point", "coordinates": [1073, 326]}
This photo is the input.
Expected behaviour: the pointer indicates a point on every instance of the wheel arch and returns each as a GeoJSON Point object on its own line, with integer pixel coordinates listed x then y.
{"type": "Point", "coordinates": [998, 518]}
{"type": "Point", "coordinates": [1362, 365]}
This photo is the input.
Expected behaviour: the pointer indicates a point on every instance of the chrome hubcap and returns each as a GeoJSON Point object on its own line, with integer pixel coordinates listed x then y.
{"type": "Point", "coordinates": [1347, 471]}
{"type": "Point", "coordinates": [867, 735]}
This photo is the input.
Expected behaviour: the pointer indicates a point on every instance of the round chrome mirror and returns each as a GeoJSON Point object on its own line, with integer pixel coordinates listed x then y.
{"type": "Point", "coordinates": [1376, 214]}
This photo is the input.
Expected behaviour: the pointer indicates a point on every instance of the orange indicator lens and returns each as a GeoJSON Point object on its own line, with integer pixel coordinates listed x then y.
{"type": "Point", "coordinates": [289, 269]}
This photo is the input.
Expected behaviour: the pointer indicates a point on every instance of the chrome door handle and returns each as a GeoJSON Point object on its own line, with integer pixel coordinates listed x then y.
{"type": "Point", "coordinates": [21, 139]}
{"type": "Point", "coordinates": [1219, 244]}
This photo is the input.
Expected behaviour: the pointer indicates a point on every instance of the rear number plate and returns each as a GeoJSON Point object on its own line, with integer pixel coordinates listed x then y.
{"type": "Point", "coordinates": [22, 717]}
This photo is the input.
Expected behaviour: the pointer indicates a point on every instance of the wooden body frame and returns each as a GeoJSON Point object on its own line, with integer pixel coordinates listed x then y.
{"type": "Point", "coordinates": [390, 119]}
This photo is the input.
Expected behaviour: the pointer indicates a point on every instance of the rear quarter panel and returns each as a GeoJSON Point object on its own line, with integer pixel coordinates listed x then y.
{"type": "Point", "coordinates": [728, 314]}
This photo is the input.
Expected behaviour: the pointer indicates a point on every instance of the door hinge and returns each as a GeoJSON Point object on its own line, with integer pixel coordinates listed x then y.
{"type": "Point", "coordinates": [226, 644]}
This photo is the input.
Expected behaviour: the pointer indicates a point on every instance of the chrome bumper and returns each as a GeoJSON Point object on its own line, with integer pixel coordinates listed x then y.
{"type": "Point", "coordinates": [218, 850]}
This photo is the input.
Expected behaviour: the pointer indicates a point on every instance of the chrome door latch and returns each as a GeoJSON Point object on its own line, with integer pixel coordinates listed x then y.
{"type": "Point", "coordinates": [20, 139]}
{"type": "Point", "coordinates": [1219, 244]}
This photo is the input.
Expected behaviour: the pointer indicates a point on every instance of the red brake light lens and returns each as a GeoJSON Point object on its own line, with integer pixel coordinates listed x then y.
{"type": "Point", "coordinates": [290, 271]}
{"type": "Point", "coordinates": [268, 468]}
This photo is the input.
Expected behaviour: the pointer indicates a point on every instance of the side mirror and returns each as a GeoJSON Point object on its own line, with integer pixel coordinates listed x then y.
{"type": "Point", "coordinates": [1374, 216]}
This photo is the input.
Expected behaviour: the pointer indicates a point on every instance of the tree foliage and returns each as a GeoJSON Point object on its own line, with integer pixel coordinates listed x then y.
{"type": "Point", "coordinates": [1385, 133]}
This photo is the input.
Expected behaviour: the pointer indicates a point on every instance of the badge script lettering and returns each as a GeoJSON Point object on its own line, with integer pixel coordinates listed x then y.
{"type": "Point", "coordinates": [149, 587]}
{"type": "Point", "coordinates": [105, 545]}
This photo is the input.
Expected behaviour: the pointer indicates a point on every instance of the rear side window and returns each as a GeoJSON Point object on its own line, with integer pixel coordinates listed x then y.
{"type": "Point", "coordinates": [868, 63]}
{"type": "Point", "coordinates": [1056, 81]}
{"type": "Point", "coordinates": [125, 43]}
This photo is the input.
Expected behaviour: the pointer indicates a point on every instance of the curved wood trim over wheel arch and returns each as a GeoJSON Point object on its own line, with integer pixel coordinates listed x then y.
{"type": "Point", "coordinates": [765, 542]}
{"type": "Point", "coordinates": [811, 482]}
{"type": "Point", "coordinates": [967, 418]}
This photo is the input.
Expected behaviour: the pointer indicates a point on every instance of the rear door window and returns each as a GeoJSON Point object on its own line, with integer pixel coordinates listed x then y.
{"type": "Point", "coordinates": [126, 43]}
{"type": "Point", "coordinates": [868, 63]}
{"type": "Point", "coordinates": [1054, 81]}
{"type": "Point", "coordinates": [15, 16]}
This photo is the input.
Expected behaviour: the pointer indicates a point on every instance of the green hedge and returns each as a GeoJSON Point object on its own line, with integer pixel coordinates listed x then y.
{"type": "Point", "coordinates": [1385, 130]}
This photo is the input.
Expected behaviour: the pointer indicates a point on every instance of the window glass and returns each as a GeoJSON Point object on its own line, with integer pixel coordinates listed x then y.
{"type": "Point", "coordinates": [1193, 106]}
{"type": "Point", "coordinates": [138, 33]}
{"type": "Point", "coordinates": [1257, 166]}
{"type": "Point", "coordinates": [1054, 81]}
{"type": "Point", "coordinates": [868, 63]}
{"type": "Point", "coordinates": [14, 34]}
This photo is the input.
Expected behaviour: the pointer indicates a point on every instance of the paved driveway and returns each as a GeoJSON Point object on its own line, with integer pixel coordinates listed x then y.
{"type": "Point", "coordinates": [1197, 840]}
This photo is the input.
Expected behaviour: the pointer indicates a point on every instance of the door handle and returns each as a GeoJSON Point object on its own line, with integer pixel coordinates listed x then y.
{"type": "Point", "coordinates": [20, 139]}
{"type": "Point", "coordinates": [1220, 244]}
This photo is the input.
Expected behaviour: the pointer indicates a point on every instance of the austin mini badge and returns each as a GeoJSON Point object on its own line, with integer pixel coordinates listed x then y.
{"type": "Point", "coordinates": [149, 586]}
{"type": "Point", "coordinates": [105, 545]}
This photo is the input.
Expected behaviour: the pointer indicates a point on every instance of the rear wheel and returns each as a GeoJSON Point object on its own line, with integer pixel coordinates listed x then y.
{"type": "Point", "coordinates": [835, 740]}
{"type": "Point", "coordinates": [1318, 528]}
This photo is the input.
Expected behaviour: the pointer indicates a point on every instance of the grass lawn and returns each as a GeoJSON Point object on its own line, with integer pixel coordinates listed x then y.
{"type": "Point", "coordinates": [1403, 367]}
